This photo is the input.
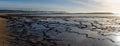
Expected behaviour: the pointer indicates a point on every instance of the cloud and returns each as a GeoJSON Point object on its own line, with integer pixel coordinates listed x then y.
{"type": "Point", "coordinates": [40, 6]}
{"type": "Point", "coordinates": [103, 5]}
{"type": "Point", "coordinates": [88, 5]}
{"type": "Point", "coordinates": [43, 6]}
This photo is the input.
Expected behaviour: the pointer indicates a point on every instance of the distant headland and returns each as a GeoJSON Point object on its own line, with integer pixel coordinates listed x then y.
{"type": "Point", "coordinates": [48, 12]}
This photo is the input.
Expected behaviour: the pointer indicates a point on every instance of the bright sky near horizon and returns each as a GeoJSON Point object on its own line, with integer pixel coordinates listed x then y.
{"type": "Point", "coordinates": [63, 5]}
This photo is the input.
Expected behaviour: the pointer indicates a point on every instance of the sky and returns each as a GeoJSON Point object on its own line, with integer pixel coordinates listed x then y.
{"type": "Point", "coordinates": [63, 5]}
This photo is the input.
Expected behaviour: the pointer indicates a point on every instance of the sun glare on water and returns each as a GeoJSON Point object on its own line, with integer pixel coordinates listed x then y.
{"type": "Point", "coordinates": [117, 13]}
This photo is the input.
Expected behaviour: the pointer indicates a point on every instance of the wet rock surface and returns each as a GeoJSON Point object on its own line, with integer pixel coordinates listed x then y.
{"type": "Point", "coordinates": [32, 31]}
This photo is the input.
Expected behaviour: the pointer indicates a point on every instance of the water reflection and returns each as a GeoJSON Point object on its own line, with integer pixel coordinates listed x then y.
{"type": "Point", "coordinates": [35, 31]}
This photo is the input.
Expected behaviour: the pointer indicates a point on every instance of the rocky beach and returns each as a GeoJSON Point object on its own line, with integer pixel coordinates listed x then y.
{"type": "Point", "coordinates": [73, 31]}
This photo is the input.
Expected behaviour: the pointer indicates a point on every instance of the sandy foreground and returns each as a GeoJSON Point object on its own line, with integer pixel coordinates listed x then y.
{"type": "Point", "coordinates": [3, 33]}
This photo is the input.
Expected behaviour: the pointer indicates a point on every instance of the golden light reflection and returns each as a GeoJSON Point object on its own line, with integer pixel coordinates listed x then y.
{"type": "Point", "coordinates": [117, 13]}
{"type": "Point", "coordinates": [117, 39]}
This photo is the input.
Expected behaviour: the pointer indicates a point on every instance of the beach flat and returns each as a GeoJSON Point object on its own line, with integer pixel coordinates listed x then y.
{"type": "Point", "coordinates": [3, 33]}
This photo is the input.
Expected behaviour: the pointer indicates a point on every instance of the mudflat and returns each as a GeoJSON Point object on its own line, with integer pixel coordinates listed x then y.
{"type": "Point", "coordinates": [46, 31]}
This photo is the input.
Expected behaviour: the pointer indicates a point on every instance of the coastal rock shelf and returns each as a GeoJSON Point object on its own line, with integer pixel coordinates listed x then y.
{"type": "Point", "coordinates": [35, 31]}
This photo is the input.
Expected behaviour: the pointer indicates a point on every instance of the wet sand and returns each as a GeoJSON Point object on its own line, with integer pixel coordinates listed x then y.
{"type": "Point", "coordinates": [60, 31]}
{"type": "Point", "coordinates": [32, 31]}
{"type": "Point", "coordinates": [3, 33]}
